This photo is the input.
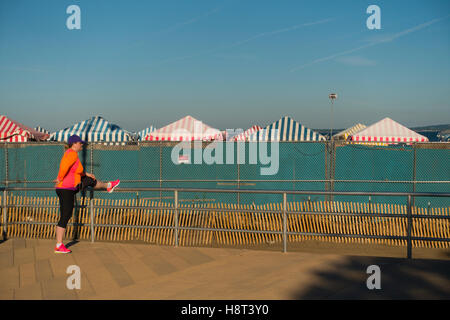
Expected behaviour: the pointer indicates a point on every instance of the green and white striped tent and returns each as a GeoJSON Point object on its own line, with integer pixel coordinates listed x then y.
{"type": "Point", "coordinates": [95, 129]}
{"type": "Point", "coordinates": [40, 129]}
{"type": "Point", "coordinates": [143, 133]}
{"type": "Point", "coordinates": [286, 129]}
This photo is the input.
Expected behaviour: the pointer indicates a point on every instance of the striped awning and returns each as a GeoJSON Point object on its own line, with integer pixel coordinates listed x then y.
{"type": "Point", "coordinates": [286, 129]}
{"type": "Point", "coordinates": [388, 130]}
{"type": "Point", "coordinates": [350, 131]}
{"type": "Point", "coordinates": [143, 133]}
{"type": "Point", "coordinates": [244, 136]}
{"type": "Point", "coordinates": [185, 129]}
{"type": "Point", "coordinates": [40, 129]}
{"type": "Point", "coordinates": [368, 143]}
{"type": "Point", "coordinates": [12, 131]}
{"type": "Point", "coordinates": [95, 129]}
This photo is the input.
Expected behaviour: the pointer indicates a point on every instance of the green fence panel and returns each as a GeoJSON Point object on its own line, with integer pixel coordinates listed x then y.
{"type": "Point", "coordinates": [432, 165]}
{"type": "Point", "coordinates": [297, 161]}
{"type": "Point", "coordinates": [241, 166]}
{"type": "Point", "coordinates": [206, 168]}
{"type": "Point", "coordinates": [374, 163]}
{"type": "Point", "coordinates": [28, 163]}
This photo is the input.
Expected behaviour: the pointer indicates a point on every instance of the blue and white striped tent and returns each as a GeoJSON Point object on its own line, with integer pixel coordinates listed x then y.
{"type": "Point", "coordinates": [40, 129]}
{"type": "Point", "coordinates": [286, 129]}
{"type": "Point", "coordinates": [95, 129]}
{"type": "Point", "coordinates": [143, 133]}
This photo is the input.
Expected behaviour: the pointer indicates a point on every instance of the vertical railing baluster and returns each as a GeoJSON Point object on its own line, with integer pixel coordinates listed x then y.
{"type": "Point", "coordinates": [5, 218]}
{"type": "Point", "coordinates": [91, 209]}
{"type": "Point", "coordinates": [176, 217]}
{"type": "Point", "coordinates": [409, 217]}
{"type": "Point", "coordinates": [284, 224]}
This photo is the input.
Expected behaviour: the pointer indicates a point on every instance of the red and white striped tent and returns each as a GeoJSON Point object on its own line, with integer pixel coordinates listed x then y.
{"type": "Point", "coordinates": [185, 129]}
{"type": "Point", "coordinates": [388, 130]}
{"type": "Point", "coordinates": [244, 136]}
{"type": "Point", "coordinates": [12, 131]}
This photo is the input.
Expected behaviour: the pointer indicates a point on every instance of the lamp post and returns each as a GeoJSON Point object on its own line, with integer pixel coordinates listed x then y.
{"type": "Point", "coordinates": [332, 96]}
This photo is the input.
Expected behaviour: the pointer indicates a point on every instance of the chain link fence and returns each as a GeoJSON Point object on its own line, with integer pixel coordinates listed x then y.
{"type": "Point", "coordinates": [315, 166]}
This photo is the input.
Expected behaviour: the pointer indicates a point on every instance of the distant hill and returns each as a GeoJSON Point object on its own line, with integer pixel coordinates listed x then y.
{"type": "Point", "coordinates": [435, 127]}
{"type": "Point", "coordinates": [431, 131]}
{"type": "Point", "coordinates": [326, 132]}
{"type": "Point", "coordinates": [439, 127]}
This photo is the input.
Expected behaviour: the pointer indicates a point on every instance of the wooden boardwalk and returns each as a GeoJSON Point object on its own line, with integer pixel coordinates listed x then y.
{"type": "Point", "coordinates": [29, 269]}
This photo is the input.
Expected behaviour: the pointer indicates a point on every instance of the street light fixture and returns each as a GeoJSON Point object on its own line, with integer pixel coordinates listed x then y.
{"type": "Point", "coordinates": [332, 96]}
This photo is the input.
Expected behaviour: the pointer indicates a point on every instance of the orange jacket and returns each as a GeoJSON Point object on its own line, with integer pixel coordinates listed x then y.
{"type": "Point", "coordinates": [70, 171]}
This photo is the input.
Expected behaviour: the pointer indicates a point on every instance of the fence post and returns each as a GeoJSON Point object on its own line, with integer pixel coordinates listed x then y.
{"type": "Point", "coordinates": [5, 218]}
{"type": "Point", "coordinates": [176, 217]}
{"type": "Point", "coordinates": [332, 167]}
{"type": "Point", "coordinates": [6, 165]}
{"type": "Point", "coordinates": [414, 174]}
{"type": "Point", "coordinates": [160, 170]}
{"type": "Point", "coordinates": [91, 210]}
{"type": "Point", "coordinates": [409, 242]}
{"type": "Point", "coordinates": [238, 173]}
{"type": "Point", "coordinates": [284, 224]}
{"type": "Point", "coordinates": [5, 194]}
{"type": "Point", "coordinates": [92, 158]}
{"type": "Point", "coordinates": [327, 176]}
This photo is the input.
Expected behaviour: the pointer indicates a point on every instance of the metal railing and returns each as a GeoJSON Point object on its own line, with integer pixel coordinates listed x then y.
{"type": "Point", "coordinates": [285, 233]}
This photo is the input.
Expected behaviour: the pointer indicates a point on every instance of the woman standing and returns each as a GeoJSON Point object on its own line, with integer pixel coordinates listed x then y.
{"type": "Point", "coordinates": [71, 179]}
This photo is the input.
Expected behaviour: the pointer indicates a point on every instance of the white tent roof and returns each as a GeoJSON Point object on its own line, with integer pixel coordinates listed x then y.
{"type": "Point", "coordinates": [185, 129]}
{"type": "Point", "coordinates": [388, 130]}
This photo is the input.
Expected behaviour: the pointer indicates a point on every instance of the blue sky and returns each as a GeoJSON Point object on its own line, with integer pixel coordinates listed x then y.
{"type": "Point", "coordinates": [228, 63]}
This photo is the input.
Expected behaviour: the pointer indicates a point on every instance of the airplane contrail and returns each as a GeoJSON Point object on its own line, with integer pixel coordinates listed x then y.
{"type": "Point", "coordinates": [388, 39]}
{"type": "Point", "coordinates": [238, 43]}
{"type": "Point", "coordinates": [176, 26]}
{"type": "Point", "coordinates": [263, 34]}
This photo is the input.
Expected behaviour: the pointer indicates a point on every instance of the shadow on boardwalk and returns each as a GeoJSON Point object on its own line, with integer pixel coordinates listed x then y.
{"type": "Point", "coordinates": [400, 279]}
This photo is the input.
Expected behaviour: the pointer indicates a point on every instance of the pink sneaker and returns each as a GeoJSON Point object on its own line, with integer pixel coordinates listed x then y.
{"type": "Point", "coordinates": [62, 249]}
{"type": "Point", "coordinates": [112, 185]}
